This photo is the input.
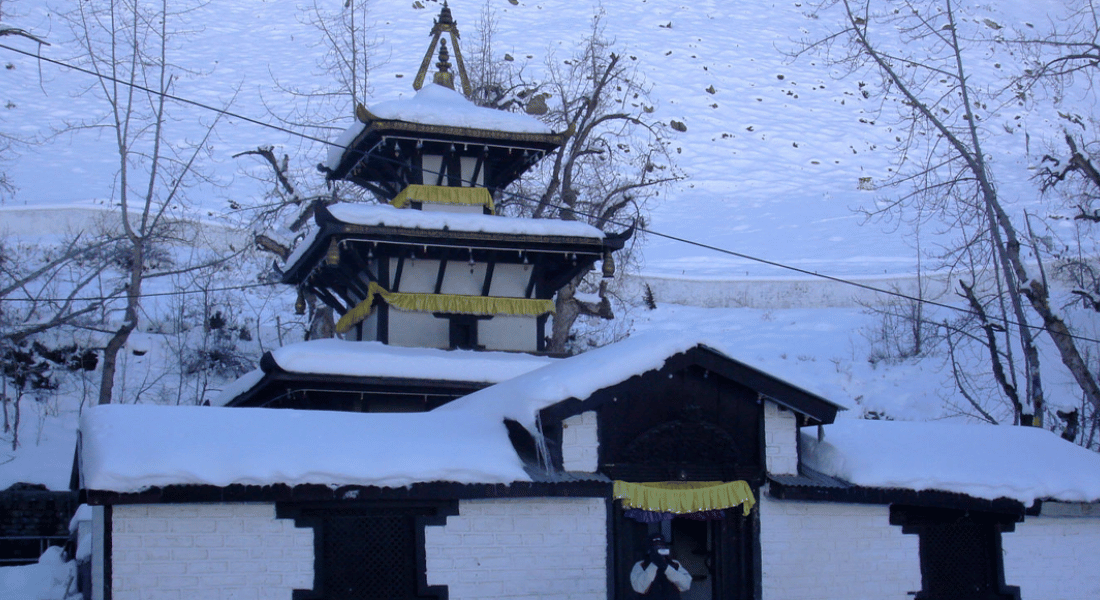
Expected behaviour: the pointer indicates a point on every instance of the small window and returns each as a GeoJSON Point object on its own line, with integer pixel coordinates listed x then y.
{"type": "Point", "coordinates": [368, 551]}
{"type": "Point", "coordinates": [960, 552]}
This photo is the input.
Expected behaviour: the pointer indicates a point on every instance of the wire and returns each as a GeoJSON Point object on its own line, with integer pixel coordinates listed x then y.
{"type": "Point", "coordinates": [711, 247]}
{"type": "Point", "coordinates": [122, 295]}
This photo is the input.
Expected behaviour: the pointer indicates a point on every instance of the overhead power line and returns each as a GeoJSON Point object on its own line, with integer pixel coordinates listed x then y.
{"type": "Point", "coordinates": [299, 134]}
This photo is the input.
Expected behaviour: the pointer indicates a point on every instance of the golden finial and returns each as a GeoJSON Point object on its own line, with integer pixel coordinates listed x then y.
{"type": "Point", "coordinates": [445, 23]}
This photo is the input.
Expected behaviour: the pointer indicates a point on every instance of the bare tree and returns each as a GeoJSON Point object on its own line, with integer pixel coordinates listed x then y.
{"type": "Point", "coordinates": [8, 141]}
{"type": "Point", "coordinates": [613, 164]}
{"type": "Point", "coordinates": [127, 43]}
{"type": "Point", "coordinates": [921, 53]}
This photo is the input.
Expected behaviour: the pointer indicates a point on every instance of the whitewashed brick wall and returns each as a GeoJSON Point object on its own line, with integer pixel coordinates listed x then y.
{"type": "Point", "coordinates": [780, 439]}
{"type": "Point", "coordinates": [521, 548]}
{"type": "Point", "coordinates": [207, 552]}
{"type": "Point", "coordinates": [1054, 558]}
{"type": "Point", "coordinates": [833, 551]}
{"type": "Point", "coordinates": [580, 443]}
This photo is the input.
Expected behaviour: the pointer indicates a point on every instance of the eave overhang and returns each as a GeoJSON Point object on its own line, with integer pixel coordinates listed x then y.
{"type": "Point", "coordinates": [813, 486]}
{"type": "Point", "coordinates": [277, 382]}
{"type": "Point", "coordinates": [333, 230]}
{"type": "Point", "coordinates": [433, 490]}
{"type": "Point", "coordinates": [366, 158]}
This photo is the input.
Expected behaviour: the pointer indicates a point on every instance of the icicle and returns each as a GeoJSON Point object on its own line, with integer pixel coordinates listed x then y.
{"type": "Point", "coordinates": [543, 450]}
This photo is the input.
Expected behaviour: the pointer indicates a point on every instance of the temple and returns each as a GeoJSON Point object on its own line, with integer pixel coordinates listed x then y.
{"type": "Point", "coordinates": [437, 451]}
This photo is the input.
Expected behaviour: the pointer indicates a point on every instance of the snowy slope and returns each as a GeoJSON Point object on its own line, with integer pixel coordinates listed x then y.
{"type": "Point", "coordinates": [774, 149]}
{"type": "Point", "coordinates": [773, 156]}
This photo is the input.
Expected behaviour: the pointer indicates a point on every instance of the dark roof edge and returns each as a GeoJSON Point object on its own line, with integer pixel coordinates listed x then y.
{"type": "Point", "coordinates": [779, 391]}
{"type": "Point", "coordinates": [811, 489]}
{"type": "Point", "coordinates": [435, 490]}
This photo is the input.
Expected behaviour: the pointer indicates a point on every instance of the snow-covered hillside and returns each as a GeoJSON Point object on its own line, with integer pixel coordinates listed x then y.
{"type": "Point", "coordinates": [776, 152]}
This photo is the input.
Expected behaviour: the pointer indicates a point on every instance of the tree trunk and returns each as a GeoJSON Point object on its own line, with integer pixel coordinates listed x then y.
{"type": "Point", "coordinates": [129, 322]}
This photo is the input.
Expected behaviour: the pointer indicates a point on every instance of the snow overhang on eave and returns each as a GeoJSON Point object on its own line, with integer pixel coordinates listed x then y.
{"type": "Point", "coordinates": [333, 229]}
{"type": "Point", "coordinates": [571, 487]}
{"type": "Point", "coordinates": [812, 486]}
{"type": "Point", "coordinates": [377, 130]}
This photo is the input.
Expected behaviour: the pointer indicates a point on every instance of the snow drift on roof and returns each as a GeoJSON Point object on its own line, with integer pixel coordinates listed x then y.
{"type": "Point", "coordinates": [982, 461]}
{"type": "Point", "coordinates": [580, 376]}
{"type": "Point", "coordinates": [134, 447]}
{"type": "Point", "coordinates": [388, 216]}
{"type": "Point", "coordinates": [375, 359]}
{"type": "Point", "coordinates": [437, 105]}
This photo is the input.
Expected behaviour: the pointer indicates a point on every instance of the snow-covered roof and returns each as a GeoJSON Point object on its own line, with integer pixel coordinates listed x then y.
{"type": "Point", "coordinates": [440, 106]}
{"type": "Point", "coordinates": [982, 461]}
{"type": "Point", "coordinates": [381, 215]}
{"type": "Point", "coordinates": [521, 398]}
{"type": "Point", "coordinates": [130, 448]}
{"type": "Point", "coordinates": [375, 359]}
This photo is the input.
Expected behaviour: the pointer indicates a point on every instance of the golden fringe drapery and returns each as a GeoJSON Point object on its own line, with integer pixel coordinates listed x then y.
{"type": "Point", "coordinates": [440, 194]}
{"type": "Point", "coordinates": [443, 303]}
{"type": "Point", "coordinates": [681, 497]}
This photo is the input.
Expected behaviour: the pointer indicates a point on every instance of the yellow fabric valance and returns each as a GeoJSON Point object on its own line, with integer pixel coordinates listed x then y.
{"type": "Point", "coordinates": [444, 303]}
{"type": "Point", "coordinates": [440, 194]}
{"type": "Point", "coordinates": [681, 497]}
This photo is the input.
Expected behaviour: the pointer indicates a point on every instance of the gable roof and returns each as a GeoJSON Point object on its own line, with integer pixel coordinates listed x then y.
{"type": "Point", "coordinates": [580, 377]}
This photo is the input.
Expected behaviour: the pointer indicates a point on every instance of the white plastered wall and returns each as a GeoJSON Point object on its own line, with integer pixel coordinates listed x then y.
{"type": "Point", "coordinates": [521, 548]}
{"type": "Point", "coordinates": [418, 330]}
{"type": "Point", "coordinates": [509, 333]}
{"type": "Point", "coordinates": [580, 443]}
{"type": "Point", "coordinates": [1054, 558]}
{"type": "Point", "coordinates": [510, 280]}
{"type": "Point", "coordinates": [835, 551]}
{"type": "Point", "coordinates": [780, 439]}
{"type": "Point", "coordinates": [207, 552]}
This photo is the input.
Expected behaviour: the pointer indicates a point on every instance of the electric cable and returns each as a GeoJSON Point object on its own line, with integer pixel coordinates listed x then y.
{"type": "Point", "coordinates": [299, 134]}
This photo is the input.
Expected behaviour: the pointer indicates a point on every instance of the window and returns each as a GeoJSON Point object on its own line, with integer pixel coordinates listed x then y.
{"type": "Point", "coordinates": [960, 552]}
{"type": "Point", "coordinates": [368, 551]}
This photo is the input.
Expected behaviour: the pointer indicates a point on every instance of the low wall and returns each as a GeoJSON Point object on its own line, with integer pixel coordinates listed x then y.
{"type": "Point", "coordinates": [818, 550]}
{"type": "Point", "coordinates": [207, 552]}
{"type": "Point", "coordinates": [1054, 558]}
{"type": "Point", "coordinates": [521, 548]}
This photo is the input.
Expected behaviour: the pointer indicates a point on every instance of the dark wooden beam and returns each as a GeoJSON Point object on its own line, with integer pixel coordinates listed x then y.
{"type": "Point", "coordinates": [488, 283]}
{"type": "Point", "coordinates": [442, 271]}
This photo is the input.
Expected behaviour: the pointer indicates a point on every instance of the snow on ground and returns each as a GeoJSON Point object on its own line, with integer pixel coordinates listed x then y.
{"type": "Point", "coordinates": [775, 148]}
{"type": "Point", "coordinates": [983, 461]}
{"type": "Point", "coordinates": [49, 579]}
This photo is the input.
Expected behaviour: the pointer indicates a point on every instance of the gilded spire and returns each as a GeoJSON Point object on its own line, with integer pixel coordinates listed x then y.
{"type": "Point", "coordinates": [445, 23]}
{"type": "Point", "coordinates": [443, 76]}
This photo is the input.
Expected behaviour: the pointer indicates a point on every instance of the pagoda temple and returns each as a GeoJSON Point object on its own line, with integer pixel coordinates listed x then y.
{"type": "Point", "coordinates": [431, 265]}
{"type": "Point", "coordinates": [511, 474]}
